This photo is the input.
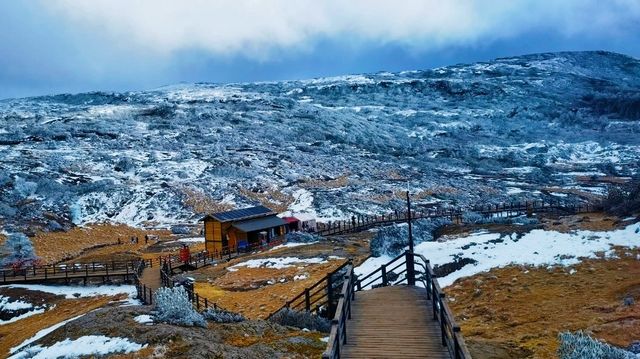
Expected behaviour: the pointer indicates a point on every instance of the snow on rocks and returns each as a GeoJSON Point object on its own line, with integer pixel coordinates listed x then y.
{"type": "Point", "coordinates": [276, 263]}
{"type": "Point", "coordinates": [537, 248]}
{"type": "Point", "coordinates": [18, 307]}
{"type": "Point", "coordinates": [86, 345]}
{"type": "Point", "coordinates": [144, 319]}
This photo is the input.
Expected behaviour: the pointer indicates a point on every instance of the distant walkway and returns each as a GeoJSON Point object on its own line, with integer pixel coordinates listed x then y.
{"type": "Point", "coordinates": [393, 322]}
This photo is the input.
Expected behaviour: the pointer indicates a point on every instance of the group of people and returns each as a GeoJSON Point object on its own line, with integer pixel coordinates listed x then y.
{"type": "Point", "coordinates": [136, 240]}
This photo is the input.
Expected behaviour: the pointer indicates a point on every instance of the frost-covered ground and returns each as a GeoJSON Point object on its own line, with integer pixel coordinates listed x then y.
{"type": "Point", "coordinates": [83, 346]}
{"type": "Point", "coordinates": [463, 134]}
{"type": "Point", "coordinates": [71, 291]}
{"type": "Point", "coordinates": [536, 248]}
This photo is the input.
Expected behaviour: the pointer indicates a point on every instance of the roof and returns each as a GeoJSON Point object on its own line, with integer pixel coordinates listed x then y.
{"type": "Point", "coordinates": [257, 224]}
{"type": "Point", "coordinates": [240, 214]}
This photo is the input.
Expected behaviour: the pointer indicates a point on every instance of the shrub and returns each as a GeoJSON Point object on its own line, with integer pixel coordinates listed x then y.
{"type": "Point", "coordinates": [302, 237]}
{"type": "Point", "coordinates": [579, 345]}
{"type": "Point", "coordinates": [19, 251]}
{"type": "Point", "coordinates": [392, 240]}
{"type": "Point", "coordinates": [174, 307]}
{"type": "Point", "coordinates": [222, 316]}
{"type": "Point", "coordinates": [624, 200]}
{"type": "Point", "coordinates": [301, 319]}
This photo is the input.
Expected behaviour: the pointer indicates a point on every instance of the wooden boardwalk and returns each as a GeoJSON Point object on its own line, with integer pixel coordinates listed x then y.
{"type": "Point", "coordinates": [393, 322]}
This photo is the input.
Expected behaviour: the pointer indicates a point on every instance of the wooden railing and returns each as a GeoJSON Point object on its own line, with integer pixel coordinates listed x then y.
{"type": "Point", "coordinates": [320, 297]}
{"type": "Point", "coordinates": [144, 294]}
{"type": "Point", "coordinates": [409, 269]}
{"type": "Point", "coordinates": [361, 223]}
{"type": "Point", "coordinates": [449, 329]}
{"type": "Point", "coordinates": [338, 333]}
{"type": "Point", "coordinates": [69, 271]}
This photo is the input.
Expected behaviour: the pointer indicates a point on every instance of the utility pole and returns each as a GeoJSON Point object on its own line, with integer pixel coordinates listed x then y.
{"type": "Point", "coordinates": [411, 275]}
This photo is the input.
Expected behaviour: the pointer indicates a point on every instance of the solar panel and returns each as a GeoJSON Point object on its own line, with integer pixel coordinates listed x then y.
{"type": "Point", "coordinates": [241, 213]}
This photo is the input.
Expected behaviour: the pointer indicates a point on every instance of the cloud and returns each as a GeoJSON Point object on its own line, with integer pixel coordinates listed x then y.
{"type": "Point", "coordinates": [259, 29]}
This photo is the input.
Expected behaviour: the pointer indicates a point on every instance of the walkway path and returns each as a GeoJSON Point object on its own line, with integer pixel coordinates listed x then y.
{"type": "Point", "coordinates": [393, 322]}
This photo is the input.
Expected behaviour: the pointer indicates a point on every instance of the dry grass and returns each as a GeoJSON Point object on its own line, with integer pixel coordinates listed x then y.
{"type": "Point", "coordinates": [341, 181]}
{"type": "Point", "coordinates": [13, 334]}
{"type": "Point", "coordinates": [595, 221]}
{"type": "Point", "coordinates": [518, 312]}
{"type": "Point", "coordinates": [53, 247]}
{"type": "Point", "coordinates": [273, 198]}
{"type": "Point", "coordinates": [201, 203]}
{"type": "Point", "coordinates": [246, 291]}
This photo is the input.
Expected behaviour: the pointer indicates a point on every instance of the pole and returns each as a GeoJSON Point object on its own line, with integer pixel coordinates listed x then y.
{"type": "Point", "coordinates": [411, 275]}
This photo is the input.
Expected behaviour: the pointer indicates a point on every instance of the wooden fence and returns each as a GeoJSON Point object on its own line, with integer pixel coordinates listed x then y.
{"type": "Point", "coordinates": [69, 271]}
{"type": "Point", "coordinates": [456, 215]}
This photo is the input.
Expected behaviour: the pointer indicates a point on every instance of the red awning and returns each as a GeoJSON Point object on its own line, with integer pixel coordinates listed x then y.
{"type": "Point", "coordinates": [290, 219]}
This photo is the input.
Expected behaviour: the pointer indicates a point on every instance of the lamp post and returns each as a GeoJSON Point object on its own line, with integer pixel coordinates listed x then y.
{"type": "Point", "coordinates": [411, 276]}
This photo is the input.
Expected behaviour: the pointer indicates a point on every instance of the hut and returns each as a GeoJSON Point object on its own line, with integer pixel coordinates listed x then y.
{"type": "Point", "coordinates": [242, 228]}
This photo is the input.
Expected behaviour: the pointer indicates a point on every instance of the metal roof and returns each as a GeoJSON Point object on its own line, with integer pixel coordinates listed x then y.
{"type": "Point", "coordinates": [240, 214]}
{"type": "Point", "coordinates": [257, 224]}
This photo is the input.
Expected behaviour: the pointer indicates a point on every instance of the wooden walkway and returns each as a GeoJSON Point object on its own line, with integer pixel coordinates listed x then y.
{"type": "Point", "coordinates": [393, 322]}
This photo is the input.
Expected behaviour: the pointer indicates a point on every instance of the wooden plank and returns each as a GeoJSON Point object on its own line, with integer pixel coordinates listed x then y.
{"type": "Point", "coordinates": [393, 322]}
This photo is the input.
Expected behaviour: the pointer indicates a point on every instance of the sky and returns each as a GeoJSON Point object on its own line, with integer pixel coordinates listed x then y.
{"type": "Point", "coordinates": [70, 46]}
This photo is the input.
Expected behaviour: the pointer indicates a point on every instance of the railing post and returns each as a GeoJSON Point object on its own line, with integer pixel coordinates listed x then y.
{"type": "Point", "coordinates": [330, 296]}
{"type": "Point", "coordinates": [385, 282]}
{"type": "Point", "coordinates": [411, 273]}
{"type": "Point", "coordinates": [442, 321]}
{"type": "Point", "coordinates": [307, 300]}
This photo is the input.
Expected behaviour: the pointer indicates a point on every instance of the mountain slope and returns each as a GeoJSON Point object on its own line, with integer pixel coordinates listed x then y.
{"type": "Point", "coordinates": [460, 134]}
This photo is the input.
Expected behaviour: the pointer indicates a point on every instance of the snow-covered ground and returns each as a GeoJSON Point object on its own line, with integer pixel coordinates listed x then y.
{"type": "Point", "coordinates": [276, 263]}
{"type": "Point", "coordinates": [536, 248]}
{"type": "Point", "coordinates": [292, 244]}
{"type": "Point", "coordinates": [79, 291]}
{"type": "Point", "coordinates": [88, 345]}
{"type": "Point", "coordinates": [7, 306]}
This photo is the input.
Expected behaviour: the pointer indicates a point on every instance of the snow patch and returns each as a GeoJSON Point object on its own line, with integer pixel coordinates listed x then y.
{"type": "Point", "coordinates": [144, 319]}
{"type": "Point", "coordinates": [86, 345]}
{"type": "Point", "coordinates": [79, 291]}
{"type": "Point", "coordinates": [276, 263]}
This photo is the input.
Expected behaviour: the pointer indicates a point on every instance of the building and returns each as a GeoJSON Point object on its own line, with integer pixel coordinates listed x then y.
{"type": "Point", "coordinates": [242, 228]}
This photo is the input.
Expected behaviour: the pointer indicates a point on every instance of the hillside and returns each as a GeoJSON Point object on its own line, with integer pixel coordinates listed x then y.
{"type": "Point", "coordinates": [535, 126]}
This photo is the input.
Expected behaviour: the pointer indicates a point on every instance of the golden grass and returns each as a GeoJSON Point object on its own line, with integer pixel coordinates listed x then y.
{"type": "Point", "coordinates": [53, 247]}
{"type": "Point", "coordinates": [524, 309]}
{"type": "Point", "coordinates": [246, 290]}
{"type": "Point", "coordinates": [201, 203]}
{"type": "Point", "coordinates": [15, 333]}
{"type": "Point", "coordinates": [273, 198]}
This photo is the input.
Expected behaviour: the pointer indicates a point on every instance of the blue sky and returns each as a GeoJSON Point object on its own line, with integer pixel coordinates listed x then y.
{"type": "Point", "coordinates": [60, 46]}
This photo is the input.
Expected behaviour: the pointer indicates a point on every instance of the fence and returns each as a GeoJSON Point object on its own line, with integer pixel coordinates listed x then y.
{"type": "Point", "coordinates": [69, 271]}
{"type": "Point", "coordinates": [361, 223]}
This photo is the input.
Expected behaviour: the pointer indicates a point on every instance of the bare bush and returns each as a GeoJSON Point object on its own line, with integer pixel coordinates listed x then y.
{"type": "Point", "coordinates": [302, 320]}
{"type": "Point", "coordinates": [174, 307]}
{"type": "Point", "coordinates": [222, 316]}
{"type": "Point", "coordinates": [579, 345]}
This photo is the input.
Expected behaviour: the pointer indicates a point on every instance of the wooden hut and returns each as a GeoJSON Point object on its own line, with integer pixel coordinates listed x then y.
{"type": "Point", "coordinates": [242, 228]}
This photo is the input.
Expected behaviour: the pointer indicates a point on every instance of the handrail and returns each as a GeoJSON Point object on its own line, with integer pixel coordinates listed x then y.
{"type": "Point", "coordinates": [69, 270]}
{"type": "Point", "coordinates": [309, 296]}
{"type": "Point", "coordinates": [455, 214]}
{"type": "Point", "coordinates": [338, 333]}
{"type": "Point", "coordinates": [450, 330]}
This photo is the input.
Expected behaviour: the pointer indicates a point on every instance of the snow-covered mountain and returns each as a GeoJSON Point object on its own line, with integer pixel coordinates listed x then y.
{"type": "Point", "coordinates": [520, 127]}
